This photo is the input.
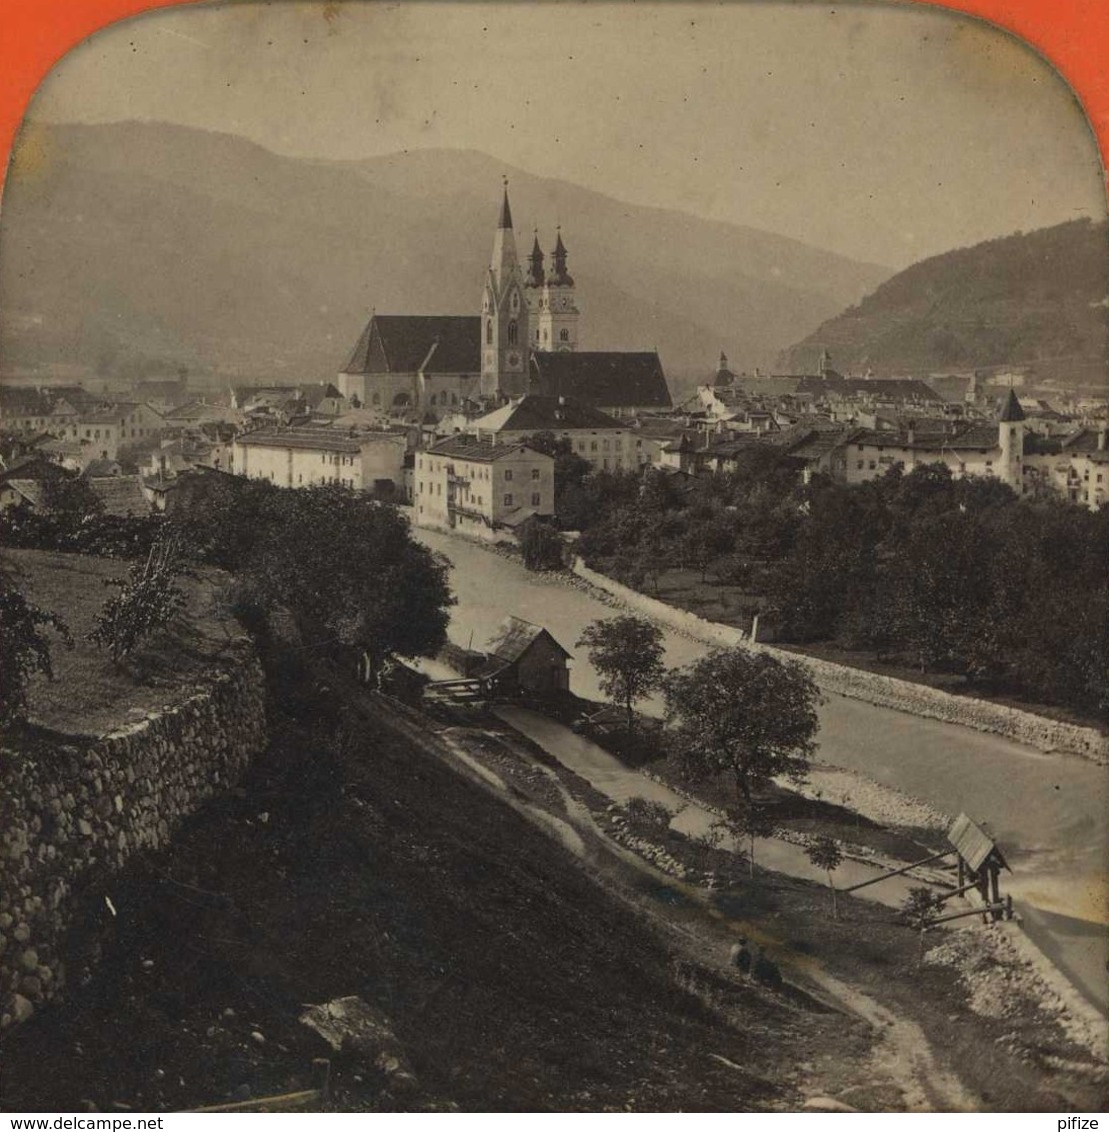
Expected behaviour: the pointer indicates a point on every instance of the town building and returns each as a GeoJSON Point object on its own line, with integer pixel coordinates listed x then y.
{"type": "Point", "coordinates": [608, 444]}
{"type": "Point", "coordinates": [303, 457]}
{"type": "Point", "coordinates": [481, 486]}
{"type": "Point", "coordinates": [108, 429]}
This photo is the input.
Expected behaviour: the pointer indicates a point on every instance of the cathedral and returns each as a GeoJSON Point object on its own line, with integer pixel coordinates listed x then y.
{"type": "Point", "coordinates": [526, 340]}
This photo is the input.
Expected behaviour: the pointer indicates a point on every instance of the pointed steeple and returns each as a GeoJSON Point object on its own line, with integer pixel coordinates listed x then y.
{"type": "Point", "coordinates": [536, 274]}
{"type": "Point", "coordinates": [506, 212]}
{"type": "Point", "coordinates": [503, 262]}
{"type": "Point", "coordinates": [560, 277]}
{"type": "Point", "coordinates": [1012, 410]}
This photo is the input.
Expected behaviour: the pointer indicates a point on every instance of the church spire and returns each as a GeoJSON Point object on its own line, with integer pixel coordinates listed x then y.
{"type": "Point", "coordinates": [560, 277]}
{"type": "Point", "coordinates": [536, 274]}
{"type": "Point", "coordinates": [506, 212]}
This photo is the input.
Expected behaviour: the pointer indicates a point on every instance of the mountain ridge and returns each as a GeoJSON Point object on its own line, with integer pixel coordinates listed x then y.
{"type": "Point", "coordinates": [132, 246]}
{"type": "Point", "coordinates": [1036, 301]}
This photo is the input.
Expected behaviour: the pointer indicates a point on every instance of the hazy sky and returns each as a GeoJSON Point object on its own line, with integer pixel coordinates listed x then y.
{"type": "Point", "coordinates": [886, 132]}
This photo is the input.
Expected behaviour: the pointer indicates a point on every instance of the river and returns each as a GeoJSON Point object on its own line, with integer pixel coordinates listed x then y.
{"type": "Point", "coordinates": [1049, 813]}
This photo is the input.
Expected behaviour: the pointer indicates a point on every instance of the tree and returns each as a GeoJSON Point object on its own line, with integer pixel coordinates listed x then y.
{"type": "Point", "coordinates": [24, 648]}
{"type": "Point", "coordinates": [349, 571]}
{"type": "Point", "coordinates": [627, 653]}
{"type": "Point", "coordinates": [825, 853]}
{"type": "Point", "coordinates": [540, 547]}
{"type": "Point", "coordinates": [70, 499]}
{"type": "Point", "coordinates": [147, 600]}
{"type": "Point", "coordinates": [750, 823]}
{"type": "Point", "coordinates": [745, 714]}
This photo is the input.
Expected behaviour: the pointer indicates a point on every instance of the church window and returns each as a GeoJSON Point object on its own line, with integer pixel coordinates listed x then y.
{"type": "Point", "coordinates": [489, 332]}
{"type": "Point", "coordinates": [564, 335]}
{"type": "Point", "coordinates": [537, 334]}
{"type": "Point", "coordinates": [434, 399]}
{"type": "Point", "coordinates": [512, 333]}
{"type": "Point", "coordinates": [545, 338]}
{"type": "Point", "coordinates": [377, 398]}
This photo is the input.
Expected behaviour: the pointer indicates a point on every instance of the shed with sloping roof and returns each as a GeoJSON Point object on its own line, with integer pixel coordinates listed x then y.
{"type": "Point", "coordinates": [522, 657]}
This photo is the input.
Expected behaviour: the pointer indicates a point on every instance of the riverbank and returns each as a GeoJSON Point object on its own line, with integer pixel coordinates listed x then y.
{"type": "Point", "coordinates": [1041, 732]}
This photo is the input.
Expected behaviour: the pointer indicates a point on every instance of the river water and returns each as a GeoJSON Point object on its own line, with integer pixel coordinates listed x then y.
{"type": "Point", "coordinates": [1049, 813]}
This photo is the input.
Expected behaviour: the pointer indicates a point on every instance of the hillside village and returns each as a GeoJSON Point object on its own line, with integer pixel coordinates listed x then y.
{"type": "Point", "coordinates": [415, 383]}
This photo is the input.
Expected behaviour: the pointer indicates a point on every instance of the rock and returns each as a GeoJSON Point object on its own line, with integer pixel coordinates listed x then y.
{"type": "Point", "coordinates": [21, 1009]}
{"type": "Point", "coordinates": [29, 960]}
{"type": "Point", "coordinates": [83, 828]}
{"type": "Point", "coordinates": [258, 1036]}
{"type": "Point", "coordinates": [31, 986]}
{"type": "Point", "coordinates": [826, 1104]}
{"type": "Point", "coordinates": [241, 1093]}
{"type": "Point", "coordinates": [352, 1024]}
{"type": "Point", "coordinates": [22, 933]}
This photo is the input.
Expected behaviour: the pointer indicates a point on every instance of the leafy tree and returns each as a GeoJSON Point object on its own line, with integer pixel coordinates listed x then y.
{"type": "Point", "coordinates": [647, 819]}
{"type": "Point", "coordinates": [744, 714]}
{"type": "Point", "coordinates": [748, 824]}
{"type": "Point", "coordinates": [627, 653]}
{"type": "Point", "coordinates": [540, 547]}
{"type": "Point", "coordinates": [24, 648]}
{"type": "Point", "coordinates": [147, 600]}
{"type": "Point", "coordinates": [347, 568]}
{"type": "Point", "coordinates": [825, 853]}
{"type": "Point", "coordinates": [70, 499]}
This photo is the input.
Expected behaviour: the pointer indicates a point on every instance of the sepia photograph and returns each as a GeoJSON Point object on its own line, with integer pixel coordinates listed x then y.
{"type": "Point", "coordinates": [554, 557]}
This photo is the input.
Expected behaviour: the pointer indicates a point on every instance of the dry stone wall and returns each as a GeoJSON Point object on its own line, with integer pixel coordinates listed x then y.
{"type": "Point", "coordinates": [72, 813]}
{"type": "Point", "coordinates": [885, 691]}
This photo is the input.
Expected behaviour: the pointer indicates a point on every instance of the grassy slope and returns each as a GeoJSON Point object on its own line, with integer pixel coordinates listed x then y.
{"type": "Point", "coordinates": [513, 981]}
{"type": "Point", "coordinates": [89, 693]}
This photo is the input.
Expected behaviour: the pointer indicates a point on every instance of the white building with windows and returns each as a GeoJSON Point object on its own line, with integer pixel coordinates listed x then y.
{"type": "Point", "coordinates": [303, 457]}
{"type": "Point", "coordinates": [481, 486]}
{"type": "Point", "coordinates": [608, 444]}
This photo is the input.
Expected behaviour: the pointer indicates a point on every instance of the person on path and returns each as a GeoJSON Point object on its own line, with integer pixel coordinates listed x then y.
{"type": "Point", "coordinates": [741, 958]}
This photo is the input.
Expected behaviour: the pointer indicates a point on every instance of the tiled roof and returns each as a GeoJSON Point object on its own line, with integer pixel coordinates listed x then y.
{"type": "Point", "coordinates": [616, 380]}
{"type": "Point", "coordinates": [318, 439]}
{"type": "Point", "coordinates": [515, 636]}
{"type": "Point", "coordinates": [31, 490]}
{"type": "Point", "coordinates": [473, 449]}
{"type": "Point", "coordinates": [23, 400]}
{"type": "Point", "coordinates": [121, 495]}
{"type": "Point", "coordinates": [536, 413]}
{"type": "Point", "coordinates": [402, 343]}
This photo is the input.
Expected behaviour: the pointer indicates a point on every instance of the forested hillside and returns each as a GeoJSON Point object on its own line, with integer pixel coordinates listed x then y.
{"type": "Point", "coordinates": [1036, 298]}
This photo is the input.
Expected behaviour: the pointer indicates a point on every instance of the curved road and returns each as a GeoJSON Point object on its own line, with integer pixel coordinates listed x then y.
{"type": "Point", "coordinates": [1049, 813]}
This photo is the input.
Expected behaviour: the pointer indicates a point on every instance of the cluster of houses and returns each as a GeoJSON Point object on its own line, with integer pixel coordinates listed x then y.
{"type": "Point", "coordinates": [439, 412]}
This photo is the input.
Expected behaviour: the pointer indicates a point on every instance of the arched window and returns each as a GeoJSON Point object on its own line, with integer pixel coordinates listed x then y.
{"type": "Point", "coordinates": [564, 335]}
{"type": "Point", "coordinates": [434, 399]}
{"type": "Point", "coordinates": [377, 398]}
{"type": "Point", "coordinates": [512, 333]}
{"type": "Point", "coordinates": [401, 399]}
{"type": "Point", "coordinates": [489, 332]}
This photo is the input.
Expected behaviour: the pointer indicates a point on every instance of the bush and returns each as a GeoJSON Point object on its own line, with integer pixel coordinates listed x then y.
{"type": "Point", "coordinates": [647, 819]}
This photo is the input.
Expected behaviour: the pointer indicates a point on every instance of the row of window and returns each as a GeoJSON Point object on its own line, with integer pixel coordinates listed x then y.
{"type": "Point", "coordinates": [333, 458]}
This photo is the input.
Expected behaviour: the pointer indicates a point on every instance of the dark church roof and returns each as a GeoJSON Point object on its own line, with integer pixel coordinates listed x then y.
{"type": "Point", "coordinates": [616, 380]}
{"type": "Point", "coordinates": [403, 343]}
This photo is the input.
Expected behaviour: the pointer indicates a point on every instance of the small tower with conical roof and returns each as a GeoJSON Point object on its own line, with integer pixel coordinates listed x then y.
{"type": "Point", "coordinates": [534, 285]}
{"type": "Point", "coordinates": [1010, 439]}
{"type": "Point", "coordinates": [558, 308]}
{"type": "Point", "coordinates": [504, 316]}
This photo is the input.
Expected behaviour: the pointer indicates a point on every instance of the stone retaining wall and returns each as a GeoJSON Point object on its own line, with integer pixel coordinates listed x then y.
{"type": "Point", "coordinates": [884, 691]}
{"type": "Point", "coordinates": [72, 813]}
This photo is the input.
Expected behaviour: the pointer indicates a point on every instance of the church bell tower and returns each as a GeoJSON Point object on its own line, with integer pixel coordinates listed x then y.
{"type": "Point", "coordinates": [504, 317]}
